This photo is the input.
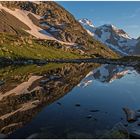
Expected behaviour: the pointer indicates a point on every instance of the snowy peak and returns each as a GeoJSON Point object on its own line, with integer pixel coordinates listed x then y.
{"type": "Point", "coordinates": [116, 39]}
{"type": "Point", "coordinates": [85, 21]}
{"type": "Point", "coordinates": [113, 28]}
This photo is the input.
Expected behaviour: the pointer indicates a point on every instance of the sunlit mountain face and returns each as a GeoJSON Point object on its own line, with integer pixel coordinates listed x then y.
{"type": "Point", "coordinates": [116, 39]}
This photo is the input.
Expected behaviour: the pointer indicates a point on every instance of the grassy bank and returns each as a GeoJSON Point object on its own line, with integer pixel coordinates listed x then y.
{"type": "Point", "coordinates": [14, 47]}
{"type": "Point", "coordinates": [27, 47]}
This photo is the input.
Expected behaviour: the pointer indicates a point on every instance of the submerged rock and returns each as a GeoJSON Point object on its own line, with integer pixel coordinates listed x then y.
{"type": "Point", "coordinates": [138, 123]}
{"type": "Point", "coordinates": [125, 124]}
{"type": "Point", "coordinates": [89, 117]}
{"type": "Point", "coordinates": [78, 105]}
{"type": "Point", "coordinates": [94, 110]}
{"type": "Point", "coordinates": [130, 114]}
{"type": "Point", "coordinates": [59, 103]}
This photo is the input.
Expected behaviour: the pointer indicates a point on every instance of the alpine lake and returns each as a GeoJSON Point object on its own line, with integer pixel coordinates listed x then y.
{"type": "Point", "coordinates": [68, 101]}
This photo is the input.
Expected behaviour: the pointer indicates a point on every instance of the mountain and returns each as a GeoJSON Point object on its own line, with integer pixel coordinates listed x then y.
{"type": "Point", "coordinates": [137, 48]}
{"type": "Point", "coordinates": [105, 74]}
{"type": "Point", "coordinates": [48, 21]}
{"type": "Point", "coordinates": [116, 39]}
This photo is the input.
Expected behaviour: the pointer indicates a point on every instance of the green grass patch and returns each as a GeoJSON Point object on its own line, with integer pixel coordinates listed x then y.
{"type": "Point", "coordinates": [14, 47]}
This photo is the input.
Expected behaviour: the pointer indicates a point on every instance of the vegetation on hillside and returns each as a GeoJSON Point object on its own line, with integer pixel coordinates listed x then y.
{"type": "Point", "coordinates": [14, 47]}
{"type": "Point", "coordinates": [27, 47]}
{"type": "Point", "coordinates": [67, 29]}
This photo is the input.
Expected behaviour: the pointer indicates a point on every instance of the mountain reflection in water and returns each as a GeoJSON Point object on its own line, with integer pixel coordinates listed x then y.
{"type": "Point", "coordinates": [28, 89]}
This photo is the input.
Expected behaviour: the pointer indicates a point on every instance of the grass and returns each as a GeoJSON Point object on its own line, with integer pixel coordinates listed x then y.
{"type": "Point", "coordinates": [14, 47]}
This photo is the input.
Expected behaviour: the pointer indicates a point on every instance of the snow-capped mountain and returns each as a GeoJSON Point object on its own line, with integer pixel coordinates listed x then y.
{"type": "Point", "coordinates": [116, 39]}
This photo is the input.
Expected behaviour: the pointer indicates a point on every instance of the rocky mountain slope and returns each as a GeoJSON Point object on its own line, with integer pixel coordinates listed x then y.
{"type": "Point", "coordinates": [116, 39]}
{"type": "Point", "coordinates": [48, 21]}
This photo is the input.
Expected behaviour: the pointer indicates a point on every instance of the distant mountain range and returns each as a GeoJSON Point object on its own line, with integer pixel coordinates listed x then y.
{"type": "Point", "coordinates": [116, 39]}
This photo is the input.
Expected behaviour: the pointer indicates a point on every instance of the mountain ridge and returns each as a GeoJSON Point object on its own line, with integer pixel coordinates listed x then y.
{"type": "Point", "coordinates": [49, 21]}
{"type": "Point", "coordinates": [115, 38]}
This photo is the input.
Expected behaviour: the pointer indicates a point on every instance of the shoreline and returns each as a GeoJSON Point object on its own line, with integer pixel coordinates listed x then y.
{"type": "Point", "coordinates": [120, 61]}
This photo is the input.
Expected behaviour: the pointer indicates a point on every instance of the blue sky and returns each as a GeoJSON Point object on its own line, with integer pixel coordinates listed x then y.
{"type": "Point", "coordinates": [125, 15]}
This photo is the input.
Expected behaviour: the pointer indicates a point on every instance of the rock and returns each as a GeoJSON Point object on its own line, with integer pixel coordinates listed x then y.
{"type": "Point", "coordinates": [125, 124]}
{"type": "Point", "coordinates": [59, 103]}
{"type": "Point", "coordinates": [94, 110]}
{"type": "Point", "coordinates": [130, 114]}
{"type": "Point", "coordinates": [77, 105]}
{"type": "Point", "coordinates": [138, 123]}
{"type": "Point", "coordinates": [89, 117]}
{"type": "Point", "coordinates": [121, 118]}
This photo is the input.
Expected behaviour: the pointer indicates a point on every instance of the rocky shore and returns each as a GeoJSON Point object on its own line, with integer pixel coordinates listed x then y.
{"type": "Point", "coordinates": [133, 63]}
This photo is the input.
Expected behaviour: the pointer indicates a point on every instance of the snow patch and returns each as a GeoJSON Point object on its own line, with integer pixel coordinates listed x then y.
{"type": "Point", "coordinates": [22, 15]}
{"type": "Point", "coordinates": [36, 31]}
{"type": "Point", "coordinates": [124, 43]}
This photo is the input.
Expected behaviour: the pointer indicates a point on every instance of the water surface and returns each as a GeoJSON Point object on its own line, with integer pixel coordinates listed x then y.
{"type": "Point", "coordinates": [66, 101]}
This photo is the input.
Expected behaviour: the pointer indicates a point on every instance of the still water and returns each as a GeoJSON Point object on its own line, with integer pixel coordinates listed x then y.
{"type": "Point", "coordinates": [67, 101]}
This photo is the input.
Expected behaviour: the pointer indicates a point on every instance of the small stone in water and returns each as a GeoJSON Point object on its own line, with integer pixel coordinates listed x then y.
{"type": "Point", "coordinates": [121, 118]}
{"type": "Point", "coordinates": [77, 105]}
{"type": "Point", "coordinates": [89, 116]}
{"type": "Point", "coordinates": [96, 110]}
{"type": "Point", "coordinates": [138, 123]}
{"type": "Point", "coordinates": [59, 103]}
{"type": "Point", "coordinates": [125, 124]}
